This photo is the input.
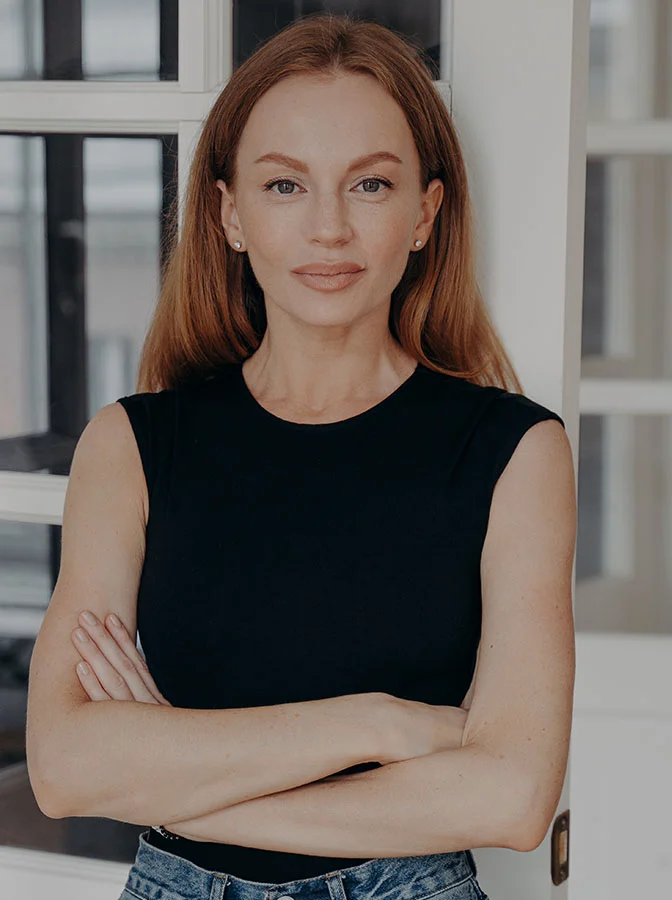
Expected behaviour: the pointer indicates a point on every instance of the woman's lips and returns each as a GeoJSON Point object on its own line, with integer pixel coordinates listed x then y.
{"type": "Point", "coordinates": [329, 282]}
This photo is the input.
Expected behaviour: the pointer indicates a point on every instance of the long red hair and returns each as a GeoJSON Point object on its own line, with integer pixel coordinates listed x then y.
{"type": "Point", "coordinates": [210, 310]}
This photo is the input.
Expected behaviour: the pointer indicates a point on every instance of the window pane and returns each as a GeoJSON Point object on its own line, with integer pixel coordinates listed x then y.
{"type": "Point", "coordinates": [23, 311]}
{"type": "Point", "coordinates": [81, 223]}
{"type": "Point", "coordinates": [257, 20]}
{"type": "Point", "coordinates": [630, 70]}
{"type": "Point", "coordinates": [624, 547]}
{"type": "Point", "coordinates": [627, 310]}
{"type": "Point", "coordinates": [20, 39]}
{"type": "Point", "coordinates": [123, 202]}
{"type": "Point", "coordinates": [89, 39]}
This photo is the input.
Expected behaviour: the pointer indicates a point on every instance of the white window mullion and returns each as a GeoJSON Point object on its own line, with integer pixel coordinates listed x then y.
{"type": "Point", "coordinates": [629, 137]}
{"type": "Point", "coordinates": [29, 497]}
{"type": "Point", "coordinates": [85, 107]}
{"type": "Point", "coordinates": [204, 44]}
{"type": "Point", "coordinates": [646, 396]}
{"type": "Point", "coordinates": [446, 39]}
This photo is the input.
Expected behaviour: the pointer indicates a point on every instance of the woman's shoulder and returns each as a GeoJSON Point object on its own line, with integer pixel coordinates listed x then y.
{"type": "Point", "coordinates": [502, 407]}
{"type": "Point", "coordinates": [505, 421]}
{"type": "Point", "coordinates": [512, 408]}
{"type": "Point", "coordinates": [156, 399]}
{"type": "Point", "coordinates": [150, 413]}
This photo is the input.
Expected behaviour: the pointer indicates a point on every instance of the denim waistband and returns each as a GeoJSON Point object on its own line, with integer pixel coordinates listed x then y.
{"type": "Point", "coordinates": [158, 874]}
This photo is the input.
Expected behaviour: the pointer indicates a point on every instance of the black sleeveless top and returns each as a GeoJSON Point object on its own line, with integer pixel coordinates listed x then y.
{"type": "Point", "coordinates": [288, 562]}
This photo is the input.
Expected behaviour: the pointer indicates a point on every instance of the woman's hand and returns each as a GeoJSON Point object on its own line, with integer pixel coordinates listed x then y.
{"type": "Point", "coordinates": [116, 671]}
{"type": "Point", "coordinates": [419, 729]}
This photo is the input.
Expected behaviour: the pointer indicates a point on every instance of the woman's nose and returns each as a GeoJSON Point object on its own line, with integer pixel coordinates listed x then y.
{"type": "Point", "coordinates": [330, 217]}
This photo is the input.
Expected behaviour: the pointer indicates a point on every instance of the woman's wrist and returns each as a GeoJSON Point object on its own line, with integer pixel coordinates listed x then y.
{"type": "Point", "coordinates": [369, 725]}
{"type": "Point", "coordinates": [383, 724]}
{"type": "Point", "coordinates": [403, 729]}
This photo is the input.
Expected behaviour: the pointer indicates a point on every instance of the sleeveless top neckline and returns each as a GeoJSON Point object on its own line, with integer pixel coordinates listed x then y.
{"type": "Point", "coordinates": [272, 419]}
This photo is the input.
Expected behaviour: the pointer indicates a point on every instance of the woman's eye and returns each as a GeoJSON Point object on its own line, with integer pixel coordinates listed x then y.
{"type": "Point", "coordinates": [382, 181]}
{"type": "Point", "coordinates": [271, 184]}
{"type": "Point", "coordinates": [367, 181]}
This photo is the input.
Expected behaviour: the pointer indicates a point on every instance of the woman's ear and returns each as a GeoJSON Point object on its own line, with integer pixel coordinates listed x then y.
{"type": "Point", "coordinates": [229, 216]}
{"type": "Point", "coordinates": [430, 204]}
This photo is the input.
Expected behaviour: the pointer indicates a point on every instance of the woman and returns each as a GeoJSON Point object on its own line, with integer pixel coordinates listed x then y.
{"type": "Point", "coordinates": [327, 496]}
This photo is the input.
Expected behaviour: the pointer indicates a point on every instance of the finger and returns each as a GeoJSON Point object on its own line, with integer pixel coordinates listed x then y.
{"type": "Point", "coordinates": [122, 637]}
{"type": "Point", "coordinates": [120, 634]}
{"type": "Point", "coordinates": [110, 679]}
{"type": "Point", "coordinates": [90, 683]}
{"type": "Point", "coordinates": [118, 664]}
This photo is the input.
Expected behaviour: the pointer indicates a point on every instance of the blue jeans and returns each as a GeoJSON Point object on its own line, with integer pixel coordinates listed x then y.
{"type": "Point", "coordinates": [157, 874]}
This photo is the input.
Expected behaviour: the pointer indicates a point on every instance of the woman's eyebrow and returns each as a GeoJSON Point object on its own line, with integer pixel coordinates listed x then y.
{"type": "Point", "coordinates": [358, 163]}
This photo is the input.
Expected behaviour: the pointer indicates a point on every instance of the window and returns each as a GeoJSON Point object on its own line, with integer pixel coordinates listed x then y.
{"type": "Point", "coordinates": [93, 40]}
{"type": "Point", "coordinates": [97, 124]}
{"type": "Point", "coordinates": [624, 575]}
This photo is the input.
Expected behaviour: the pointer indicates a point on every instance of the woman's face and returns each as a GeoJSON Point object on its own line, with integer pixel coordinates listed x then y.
{"type": "Point", "coordinates": [319, 205]}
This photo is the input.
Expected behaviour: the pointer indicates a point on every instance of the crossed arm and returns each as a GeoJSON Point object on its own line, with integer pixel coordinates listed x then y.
{"type": "Point", "coordinates": [500, 786]}
{"type": "Point", "coordinates": [396, 810]}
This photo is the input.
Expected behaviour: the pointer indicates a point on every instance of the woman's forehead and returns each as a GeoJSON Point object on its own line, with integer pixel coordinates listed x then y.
{"type": "Point", "coordinates": [307, 124]}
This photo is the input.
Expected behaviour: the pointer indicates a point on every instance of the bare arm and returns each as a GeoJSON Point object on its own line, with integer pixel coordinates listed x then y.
{"type": "Point", "coordinates": [138, 762]}
{"type": "Point", "coordinates": [455, 799]}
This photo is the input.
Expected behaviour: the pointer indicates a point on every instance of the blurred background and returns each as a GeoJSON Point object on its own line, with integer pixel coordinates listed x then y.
{"type": "Point", "coordinates": [82, 217]}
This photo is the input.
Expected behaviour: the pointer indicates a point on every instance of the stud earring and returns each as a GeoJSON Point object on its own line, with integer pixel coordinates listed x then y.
{"type": "Point", "coordinates": [418, 243]}
{"type": "Point", "coordinates": [237, 245]}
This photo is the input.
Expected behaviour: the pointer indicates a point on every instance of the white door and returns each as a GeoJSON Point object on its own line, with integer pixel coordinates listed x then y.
{"type": "Point", "coordinates": [517, 72]}
{"type": "Point", "coordinates": [519, 77]}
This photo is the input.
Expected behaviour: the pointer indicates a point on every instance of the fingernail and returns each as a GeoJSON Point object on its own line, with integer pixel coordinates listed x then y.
{"type": "Point", "coordinates": [81, 634]}
{"type": "Point", "coordinates": [115, 621]}
{"type": "Point", "coordinates": [88, 617]}
{"type": "Point", "coordinates": [83, 668]}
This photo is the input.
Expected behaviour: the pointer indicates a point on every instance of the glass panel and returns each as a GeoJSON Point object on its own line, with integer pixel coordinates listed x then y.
{"type": "Point", "coordinates": [255, 21]}
{"type": "Point", "coordinates": [627, 309]}
{"type": "Point", "coordinates": [29, 559]}
{"type": "Point", "coordinates": [624, 547]}
{"type": "Point", "coordinates": [89, 39]}
{"type": "Point", "coordinates": [80, 235]}
{"type": "Point", "coordinates": [20, 39]}
{"type": "Point", "coordinates": [630, 59]}
{"type": "Point", "coordinates": [123, 202]}
{"type": "Point", "coordinates": [23, 311]}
